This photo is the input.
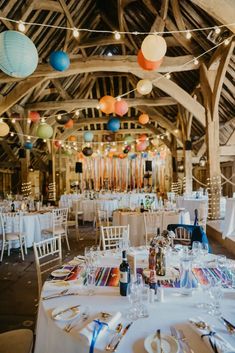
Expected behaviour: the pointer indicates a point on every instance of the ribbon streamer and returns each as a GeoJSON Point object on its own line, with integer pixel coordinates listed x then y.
{"type": "Point", "coordinates": [98, 327]}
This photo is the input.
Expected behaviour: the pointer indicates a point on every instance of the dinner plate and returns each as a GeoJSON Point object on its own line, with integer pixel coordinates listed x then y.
{"type": "Point", "coordinates": [168, 344]}
{"type": "Point", "coordinates": [67, 313]}
{"type": "Point", "coordinates": [62, 272]}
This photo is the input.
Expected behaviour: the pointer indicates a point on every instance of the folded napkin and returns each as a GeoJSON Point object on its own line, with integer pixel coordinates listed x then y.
{"type": "Point", "coordinates": [214, 342]}
{"type": "Point", "coordinates": [100, 324]}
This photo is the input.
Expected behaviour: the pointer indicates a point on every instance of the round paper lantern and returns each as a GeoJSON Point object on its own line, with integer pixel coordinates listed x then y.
{"type": "Point", "coordinates": [143, 119]}
{"type": "Point", "coordinates": [57, 143]}
{"type": "Point", "coordinates": [144, 87]}
{"type": "Point", "coordinates": [87, 151]}
{"type": "Point", "coordinates": [142, 138]}
{"type": "Point", "coordinates": [68, 152]}
{"type": "Point", "coordinates": [155, 141]}
{"type": "Point", "coordinates": [69, 124]}
{"type": "Point", "coordinates": [121, 107]}
{"type": "Point", "coordinates": [113, 124]}
{"type": "Point", "coordinates": [88, 136]}
{"type": "Point", "coordinates": [107, 104]}
{"type": "Point", "coordinates": [129, 139]}
{"type": "Point", "coordinates": [18, 54]}
{"type": "Point", "coordinates": [62, 118]}
{"type": "Point", "coordinates": [146, 64]}
{"type": "Point", "coordinates": [144, 154]}
{"type": "Point", "coordinates": [72, 138]}
{"type": "Point", "coordinates": [34, 117]}
{"type": "Point", "coordinates": [141, 146]}
{"type": "Point", "coordinates": [127, 149]}
{"type": "Point", "coordinates": [153, 47]}
{"type": "Point", "coordinates": [28, 145]}
{"type": "Point", "coordinates": [122, 155]}
{"type": "Point", "coordinates": [4, 129]}
{"type": "Point", "coordinates": [132, 155]}
{"type": "Point", "coordinates": [44, 131]}
{"type": "Point", "coordinates": [59, 60]}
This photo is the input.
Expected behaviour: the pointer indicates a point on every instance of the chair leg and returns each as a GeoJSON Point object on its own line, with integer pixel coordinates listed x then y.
{"type": "Point", "coordinates": [21, 249]}
{"type": "Point", "coordinates": [9, 248]}
{"type": "Point", "coordinates": [25, 247]}
{"type": "Point", "coordinates": [77, 234]}
{"type": "Point", "coordinates": [2, 251]}
{"type": "Point", "coordinates": [67, 241]}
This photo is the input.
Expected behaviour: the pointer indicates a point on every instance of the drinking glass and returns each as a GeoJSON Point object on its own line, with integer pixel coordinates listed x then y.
{"type": "Point", "coordinates": [134, 300]}
{"type": "Point", "coordinates": [95, 255]}
{"type": "Point", "coordinates": [231, 273]}
{"type": "Point", "coordinates": [204, 248]}
{"type": "Point", "coordinates": [222, 266]}
{"type": "Point", "coordinates": [90, 280]}
{"type": "Point", "coordinates": [205, 287]}
{"type": "Point", "coordinates": [216, 295]}
{"type": "Point", "coordinates": [196, 246]}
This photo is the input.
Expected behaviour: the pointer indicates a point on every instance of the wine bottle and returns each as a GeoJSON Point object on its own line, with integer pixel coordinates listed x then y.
{"type": "Point", "coordinates": [142, 206]}
{"type": "Point", "coordinates": [125, 275]}
{"type": "Point", "coordinates": [12, 207]}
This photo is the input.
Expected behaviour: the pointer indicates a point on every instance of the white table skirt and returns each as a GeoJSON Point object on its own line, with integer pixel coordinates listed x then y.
{"type": "Point", "coordinates": [136, 222]}
{"type": "Point", "coordinates": [229, 220]}
{"type": "Point", "coordinates": [191, 204]}
{"type": "Point", "coordinates": [175, 310]}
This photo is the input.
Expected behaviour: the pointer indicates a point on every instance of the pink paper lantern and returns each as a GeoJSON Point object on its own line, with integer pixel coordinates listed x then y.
{"type": "Point", "coordinates": [34, 117]}
{"type": "Point", "coordinates": [141, 146]}
{"type": "Point", "coordinates": [121, 107]}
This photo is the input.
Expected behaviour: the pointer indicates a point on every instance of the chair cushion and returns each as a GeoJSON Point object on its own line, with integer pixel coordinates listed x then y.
{"type": "Point", "coordinates": [12, 236]}
{"type": "Point", "coordinates": [20, 341]}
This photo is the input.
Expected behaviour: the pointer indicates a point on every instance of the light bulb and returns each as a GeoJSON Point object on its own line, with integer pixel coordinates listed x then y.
{"type": "Point", "coordinates": [188, 35]}
{"type": "Point", "coordinates": [117, 35]}
{"type": "Point", "coordinates": [43, 120]}
{"type": "Point", "coordinates": [29, 137]}
{"type": "Point", "coordinates": [217, 30]}
{"type": "Point", "coordinates": [168, 76]}
{"type": "Point", "coordinates": [59, 117]}
{"type": "Point", "coordinates": [227, 41]}
{"type": "Point", "coordinates": [13, 121]}
{"type": "Point", "coordinates": [75, 32]}
{"type": "Point", "coordinates": [21, 26]}
{"type": "Point", "coordinates": [77, 112]}
{"type": "Point", "coordinates": [44, 140]}
{"type": "Point", "coordinates": [118, 98]}
{"type": "Point", "coordinates": [195, 61]}
{"type": "Point", "coordinates": [28, 121]}
{"type": "Point", "coordinates": [12, 134]}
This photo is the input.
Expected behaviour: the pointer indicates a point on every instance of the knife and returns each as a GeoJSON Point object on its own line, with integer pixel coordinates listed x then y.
{"type": "Point", "coordinates": [228, 323]}
{"type": "Point", "coordinates": [65, 310]}
{"type": "Point", "coordinates": [121, 336]}
{"type": "Point", "coordinates": [58, 295]}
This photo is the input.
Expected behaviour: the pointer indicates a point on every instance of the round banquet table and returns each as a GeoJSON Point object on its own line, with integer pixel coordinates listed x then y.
{"type": "Point", "coordinates": [176, 310]}
{"type": "Point", "coordinates": [136, 222]}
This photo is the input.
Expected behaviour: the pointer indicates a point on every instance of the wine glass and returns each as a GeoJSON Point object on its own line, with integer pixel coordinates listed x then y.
{"type": "Point", "coordinates": [196, 246]}
{"type": "Point", "coordinates": [204, 249]}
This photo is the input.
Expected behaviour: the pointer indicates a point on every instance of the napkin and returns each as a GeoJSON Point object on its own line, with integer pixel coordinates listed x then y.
{"type": "Point", "coordinates": [109, 322]}
{"type": "Point", "coordinates": [211, 338]}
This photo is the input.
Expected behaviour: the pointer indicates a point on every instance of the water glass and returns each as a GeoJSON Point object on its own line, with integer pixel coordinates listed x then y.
{"type": "Point", "coordinates": [196, 247]}
{"type": "Point", "coordinates": [90, 280]}
{"type": "Point", "coordinates": [204, 249]}
{"type": "Point", "coordinates": [216, 295]}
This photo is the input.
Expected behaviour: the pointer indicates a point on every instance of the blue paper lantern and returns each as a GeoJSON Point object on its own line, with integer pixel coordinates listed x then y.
{"type": "Point", "coordinates": [144, 154]}
{"type": "Point", "coordinates": [88, 136]}
{"type": "Point", "coordinates": [113, 124]}
{"type": "Point", "coordinates": [59, 60]}
{"type": "Point", "coordinates": [18, 54]}
{"type": "Point", "coordinates": [132, 156]}
{"type": "Point", "coordinates": [28, 145]}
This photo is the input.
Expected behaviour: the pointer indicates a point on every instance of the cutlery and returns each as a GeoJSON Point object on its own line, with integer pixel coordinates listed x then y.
{"type": "Point", "coordinates": [55, 294]}
{"type": "Point", "coordinates": [71, 326]}
{"type": "Point", "coordinates": [122, 334]}
{"type": "Point", "coordinates": [183, 338]}
{"type": "Point", "coordinates": [111, 343]}
{"type": "Point", "coordinates": [65, 310]}
{"type": "Point", "coordinates": [160, 340]}
{"type": "Point", "coordinates": [181, 341]}
{"type": "Point", "coordinates": [58, 295]}
{"type": "Point", "coordinates": [230, 327]}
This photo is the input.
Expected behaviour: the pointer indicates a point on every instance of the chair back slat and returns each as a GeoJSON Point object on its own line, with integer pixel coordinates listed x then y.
{"type": "Point", "coordinates": [152, 221]}
{"type": "Point", "coordinates": [113, 235]}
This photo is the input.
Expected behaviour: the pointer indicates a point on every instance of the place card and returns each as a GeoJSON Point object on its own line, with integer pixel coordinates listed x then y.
{"type": "Point", "coordinates": [131, 259]}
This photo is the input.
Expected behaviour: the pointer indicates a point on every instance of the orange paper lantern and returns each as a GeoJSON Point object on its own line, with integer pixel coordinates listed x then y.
{"type": "Point", "coordinates": [72, 138]}
{"type": "Point", "coordinates": [147, 64]}
{"type": "Point", "coordinates": [142, 138]}
{"type": "Point", "coordinates": [122, 155]}
{"type": "Point", "coordinates": [143, 119]}
{"type": "Point", "coordinates": [121, 107]}
{"type": "Point", "coordinates": [69, 124]}
{"type": "Point", "coordinates": [107, 104]}
{"type": "Point", "coordinates": [34, 116]}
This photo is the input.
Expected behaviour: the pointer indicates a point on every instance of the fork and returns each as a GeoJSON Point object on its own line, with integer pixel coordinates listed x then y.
{"type": "Point", "coordinates": [183, 338]}
{"type": "Point", "coordinates": [73, 324]}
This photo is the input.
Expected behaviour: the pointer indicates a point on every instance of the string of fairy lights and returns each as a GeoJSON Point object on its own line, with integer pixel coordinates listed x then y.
{"type": "Point", "coordinates": [22, 25]}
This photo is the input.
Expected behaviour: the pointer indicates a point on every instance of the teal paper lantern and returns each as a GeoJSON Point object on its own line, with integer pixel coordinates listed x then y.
{"type": "Point", "coordinates": [28, 145]}
{"type": "Point", "coordinates": [59, 60]}
{"type": "Point", "coordinates": [44, 131]}
{"type": "Point", "coordinates": [129, 139]}
{"type": "Point", "coordinates": [113, 124]}
{"type": "Point", "coordinates": [88, 136]}
{"type": "Point", "coordinates": [18, 54]}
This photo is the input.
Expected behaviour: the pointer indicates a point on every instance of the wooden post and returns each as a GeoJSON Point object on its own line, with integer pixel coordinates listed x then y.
{"type": "Point", "coordinates": [188, 167]}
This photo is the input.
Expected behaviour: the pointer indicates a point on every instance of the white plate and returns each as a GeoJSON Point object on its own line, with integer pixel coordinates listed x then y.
{"type": "Point", "coordinates": [169, 344]}
{"type": "Point", "coordinates": [62, 272]}
{"type": "Point", "coordinates": [67, 315]}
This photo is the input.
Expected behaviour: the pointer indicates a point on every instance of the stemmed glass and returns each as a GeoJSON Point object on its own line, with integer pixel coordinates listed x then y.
{"type": "Point", "coordinates": [216, 295]}
{"type": "Point", "coordinates": [196, 247]}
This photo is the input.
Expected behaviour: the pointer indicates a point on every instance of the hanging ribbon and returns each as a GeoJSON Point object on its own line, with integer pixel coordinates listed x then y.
{"type": "Point", "coordinates": [98, 327]}
{"type": "Point", "coordinates": [210, 335]}
{"type": "Point", "coordinates": [196, 218]}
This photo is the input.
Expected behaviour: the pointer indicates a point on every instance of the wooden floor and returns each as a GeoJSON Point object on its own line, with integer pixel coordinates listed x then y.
{"type": "Point", "coordinates": [18, 281]}
{"type": "Point", "coordinates": [214, 232]}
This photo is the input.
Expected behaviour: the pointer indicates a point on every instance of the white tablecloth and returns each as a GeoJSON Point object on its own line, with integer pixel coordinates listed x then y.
{"type": "Point", "coordinates": [191, 204]}
{"type": "Point", "coordinates": [229, 220]}
{"type": "Point", "coordinates": [136, 222]}
{"type": "Point", "coordinates": [175, 310]}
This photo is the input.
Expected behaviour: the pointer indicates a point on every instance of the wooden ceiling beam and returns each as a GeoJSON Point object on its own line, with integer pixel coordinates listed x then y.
{"type": "Point", "coordinates": [49, 5]}
{"type": "Point", "coordinates": [70, 105]}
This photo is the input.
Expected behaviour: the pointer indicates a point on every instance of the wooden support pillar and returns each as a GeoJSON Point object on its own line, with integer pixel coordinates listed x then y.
{"type": "Point", "coordinates": [188, 167]}
{"type": "Point", "coordinates": [67, 177]}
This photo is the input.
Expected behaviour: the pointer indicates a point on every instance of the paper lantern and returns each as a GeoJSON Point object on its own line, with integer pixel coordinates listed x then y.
{"type": "Point", "coordinates": [113, 124]}
{"type": "Point", "coordinates": [44, 131]}
{"type": "Point", "coordinates": [88, 136]}
{"type": "Point", "coordinates": [144, 87]}
{"type": "Point", "coordinates": [143, 119]}
{"type": "Point", "coordinates": [155, 141]}
{"type": "Point", "coordinates": [122, 155]}
{"type": "Point", "coordinates": [127, 149]}
{"type": "Point", "coordinates": [142, 138]}
{"type": "Point", "coordinates": [68, 152]}
{"type": "Point", "coordinates": [28, 145]}
{"type": "Point", "coordinates": [153, 47]}
{"type": "Point", "coordinates": [121, 107]}
{"type": "Point", "coordinates": [4, 129]}
{"type": "Point", "coordinates": [57, 143]}
{"type": "Point", "coordinates": [107, 104]}
{"type": "Point", "coordinates": [69, 124]}
{"type": "Point", "coordinates": [59, 60]}
{"type": "Point", "coordinates": [132, 155]}
{"type": "Point", "coordinates": [129, 139]}
{"type": "Point", "coordinates": [72, 138]}
{"type": "Point", "coordinates": [144, 154]}
{"type": "Point", "coordinates": [34, 117]}
{"type": "Point", "coordinates": [141, 146]}
{"type": "Point", "coordinates": [87, 151]}
{"type": "Point", "coordinates": [18, 54]}
{"type": "Point", "coordinates": [146, 64]}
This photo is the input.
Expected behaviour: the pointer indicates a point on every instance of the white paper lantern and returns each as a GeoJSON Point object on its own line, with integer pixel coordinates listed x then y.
{"type": "Point", "coordinates": [153, 47]}
{"type": "Point", "coordinates": [4, 129]}
{"type": "Point", "coordinates": [144, 87]}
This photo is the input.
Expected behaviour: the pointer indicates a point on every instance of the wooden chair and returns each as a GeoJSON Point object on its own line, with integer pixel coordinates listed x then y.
{"type": "Point", "coordinates": [113, 235]}
{"type": "Point", "coordinates": [48, 255]}
{"type": "Point", "coordinates": [12, 230]}
{"type": "Point", "coordinates": [152, 221]}
{"type": "Point", "coordinates": [101, 219]}
{"type": "Point", "coordinates": [20, 341]}
{"type": "Point", "coordinates": [59, 224]}
{"type": "Point", "coordinates": [182, 236]}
